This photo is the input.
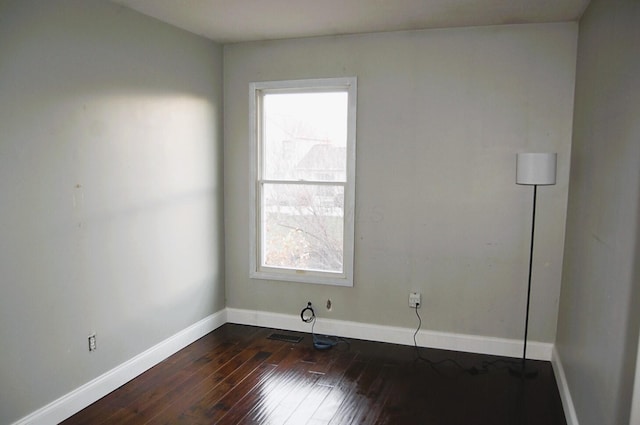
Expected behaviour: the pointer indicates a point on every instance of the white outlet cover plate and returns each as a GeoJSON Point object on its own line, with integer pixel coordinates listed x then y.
{"type": "Point", "coordinates": [414, 298]}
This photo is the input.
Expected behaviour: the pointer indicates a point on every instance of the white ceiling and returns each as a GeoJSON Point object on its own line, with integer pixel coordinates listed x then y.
{"type": "Point", "coordinates": [228, 21]}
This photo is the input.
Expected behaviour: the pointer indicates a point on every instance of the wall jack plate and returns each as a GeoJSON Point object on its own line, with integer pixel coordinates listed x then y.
{"type": "Point", "coordinates": [415, 299]}
{"type": "Point", "coordinates": [92, 342]}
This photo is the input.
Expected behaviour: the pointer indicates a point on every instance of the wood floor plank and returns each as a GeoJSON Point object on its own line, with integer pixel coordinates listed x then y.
{"type": "Point", "coordinates": [215, 413]}
{"type": "Point", "coordinates": [377, 395]}
{"type": "Point", "coordinates": [276, 398]}
{"type": "Point", "coordinates": [356, 403]}
{"type": "Point", "coordinates": [219, 401]}
{"type": "Point", "coordinates": [192, 376]}
{"type": "Point", "coordinates": [329, 377]}
{"type": "Point", "coordinates": [309, 405]}
{"type": "Point", "coordinates": [150, 400]}
{"type": "Point", "coordinates": [195, 400]}
{"type": "Point", "coordinates": [339, 394]}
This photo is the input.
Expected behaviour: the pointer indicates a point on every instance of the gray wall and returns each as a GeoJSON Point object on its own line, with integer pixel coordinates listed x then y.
{"type": "Point", "coordinates": [599, 312]}
{"type": "Point", "coordinates": [441, 115]}
{"type": "Point", "coordinates": [110, 191]}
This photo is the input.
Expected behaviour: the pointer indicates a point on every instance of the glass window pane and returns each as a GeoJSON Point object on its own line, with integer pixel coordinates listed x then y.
{"type": "Point", "coordinates": [305, 136]}
{"type": "Point", "coordinates": [303, 226]}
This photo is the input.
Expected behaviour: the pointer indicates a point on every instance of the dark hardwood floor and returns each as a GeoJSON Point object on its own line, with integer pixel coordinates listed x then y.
{"type": "Point", "coordinates": [236, 375]}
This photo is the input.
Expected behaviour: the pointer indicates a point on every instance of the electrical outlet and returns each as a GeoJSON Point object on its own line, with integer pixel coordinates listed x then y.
{"type": "Point", "coordinates": [92, 342]}
{"type": "Point", "coordinates": [415, 299]}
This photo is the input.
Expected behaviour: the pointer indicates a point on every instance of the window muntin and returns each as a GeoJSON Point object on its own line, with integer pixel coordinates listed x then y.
{"type": "Point", "coordinates": [303, 170]}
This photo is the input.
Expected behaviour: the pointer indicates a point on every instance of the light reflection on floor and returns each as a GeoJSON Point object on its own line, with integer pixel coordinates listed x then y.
{"type": "Point", "coordinates": [298, 391]}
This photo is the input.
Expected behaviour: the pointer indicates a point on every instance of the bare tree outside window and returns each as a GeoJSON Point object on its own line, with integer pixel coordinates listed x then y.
{"type": "Point", "coordinates": [305, 141]}
{"type": "Point", "coordinates": [304, 167]}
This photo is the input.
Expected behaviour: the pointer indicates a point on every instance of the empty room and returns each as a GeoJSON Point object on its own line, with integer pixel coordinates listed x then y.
{"type": "Point", "coordinates": [330, 212]}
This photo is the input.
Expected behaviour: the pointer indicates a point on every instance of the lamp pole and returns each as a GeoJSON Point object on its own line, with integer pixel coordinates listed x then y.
{"type": "Point", "coordinates": [531, 372]}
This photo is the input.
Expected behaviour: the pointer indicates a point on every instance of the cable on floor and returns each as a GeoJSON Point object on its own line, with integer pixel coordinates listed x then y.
{"type": "Point", "coordinates": [320, 342]}
{"type": "Point", "coordinates": [485, 367]}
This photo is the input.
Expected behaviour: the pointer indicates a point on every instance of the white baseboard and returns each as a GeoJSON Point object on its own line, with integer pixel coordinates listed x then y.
{"type": "Point", "coordinates": [92, 391]}
{"type": "Point", "coordinates": [563, 388]}
{"type": "Point", "coordinates": [395, 335]}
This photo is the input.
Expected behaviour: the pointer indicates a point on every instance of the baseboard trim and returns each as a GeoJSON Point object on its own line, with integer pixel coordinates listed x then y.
{"type": "Point", "coordinates": [81, 397]}
{"type": "Point", "coordinates": [563, 388]}
{"type": "Point", "coordinates": [395, 335]}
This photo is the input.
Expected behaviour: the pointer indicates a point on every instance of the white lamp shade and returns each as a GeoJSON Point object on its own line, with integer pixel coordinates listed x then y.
{"type": "Point", "coordinates": [536, 168]}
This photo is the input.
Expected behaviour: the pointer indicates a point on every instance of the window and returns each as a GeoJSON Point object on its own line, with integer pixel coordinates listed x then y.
{"type": "Point", "coordinates": [303, 180]}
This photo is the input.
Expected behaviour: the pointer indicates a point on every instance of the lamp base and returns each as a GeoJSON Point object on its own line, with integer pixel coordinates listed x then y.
{"type": "Point", "coordinates": [521, 371]}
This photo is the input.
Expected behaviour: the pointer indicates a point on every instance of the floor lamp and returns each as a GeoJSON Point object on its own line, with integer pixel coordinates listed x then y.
{"type": "Point", "coordinates": [533, 169]}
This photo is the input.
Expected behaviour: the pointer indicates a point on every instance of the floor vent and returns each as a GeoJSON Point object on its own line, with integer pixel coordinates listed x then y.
{"type": "Point", "coordinates": [285, 338]}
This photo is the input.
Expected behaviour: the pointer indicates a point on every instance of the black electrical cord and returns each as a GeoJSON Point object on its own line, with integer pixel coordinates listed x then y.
{"type": "Point", "coordinates": [434, 364]}
{"type": "Point", "coordinates": [320, 342]}
{"type": "Point", "coordinates": [486, 365]}
{"type": "Point", "coordinates": [311, 314]}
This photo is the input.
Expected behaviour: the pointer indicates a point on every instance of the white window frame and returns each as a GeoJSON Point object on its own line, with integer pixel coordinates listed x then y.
{"type": "Point", "coordinates": [258, 270]}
